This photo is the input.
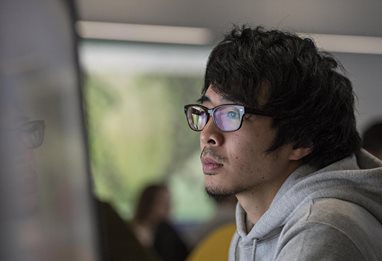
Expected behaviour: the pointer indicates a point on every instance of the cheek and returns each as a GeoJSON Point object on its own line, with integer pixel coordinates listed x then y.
{"type": "Point", "coordinates": [240, 154]}
{"type": "Point", "coordinates": [248, 154]}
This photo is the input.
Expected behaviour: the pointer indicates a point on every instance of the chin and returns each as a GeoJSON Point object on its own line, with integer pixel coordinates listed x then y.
{"type": "Point", "coordinates": [219, 193]}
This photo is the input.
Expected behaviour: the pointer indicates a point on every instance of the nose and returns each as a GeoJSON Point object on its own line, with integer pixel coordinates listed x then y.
{"type": "Point", "coordinates": [211, 135]}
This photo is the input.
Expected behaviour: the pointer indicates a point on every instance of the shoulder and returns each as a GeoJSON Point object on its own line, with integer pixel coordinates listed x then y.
{"type": "Point", "coordinates": [336, 225]}
{"type": "Point", "coordinates": [351, 219]}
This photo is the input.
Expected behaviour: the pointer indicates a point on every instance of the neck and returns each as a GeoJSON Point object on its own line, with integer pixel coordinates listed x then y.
{"type": "Point", "coordinates": [256, 200]}
{"type": "Point", "coordinates": [255, 204]}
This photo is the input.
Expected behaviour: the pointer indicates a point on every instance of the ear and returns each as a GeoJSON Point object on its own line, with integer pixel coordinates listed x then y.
{"type": "Point", "coordinates": [299, 153]}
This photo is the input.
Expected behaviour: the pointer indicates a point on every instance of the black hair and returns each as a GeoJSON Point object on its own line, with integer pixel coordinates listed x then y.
{"type": "Point", "coordinates": [311, 102]}
{"type": "Point", "coordinates": [372, 138]}
{"type": "Point", "coordinates": [146, 201]}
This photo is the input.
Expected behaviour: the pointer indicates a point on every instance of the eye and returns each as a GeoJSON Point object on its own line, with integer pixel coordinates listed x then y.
{"type": "Point", "coordinates": [233, 114]}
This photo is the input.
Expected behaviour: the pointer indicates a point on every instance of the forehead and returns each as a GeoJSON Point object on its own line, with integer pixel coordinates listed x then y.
{"type": "Point", "coordinates": [214, 98]}
{"type": "Point", "coordinates": [256, 97]}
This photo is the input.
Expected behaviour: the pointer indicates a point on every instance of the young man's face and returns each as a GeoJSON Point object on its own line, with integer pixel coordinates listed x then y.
{"type": "Point", "coordinates": [237, 162]}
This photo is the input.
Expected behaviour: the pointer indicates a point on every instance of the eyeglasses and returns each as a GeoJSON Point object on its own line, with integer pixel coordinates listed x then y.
{"type": "Point", "coordinates": [227, 117]}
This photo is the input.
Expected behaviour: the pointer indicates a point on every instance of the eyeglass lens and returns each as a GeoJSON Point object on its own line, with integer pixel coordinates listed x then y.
{"type": "Point", "coordinates": [227, 118]}
{"type": "Point", "coordinates": [197, 117]}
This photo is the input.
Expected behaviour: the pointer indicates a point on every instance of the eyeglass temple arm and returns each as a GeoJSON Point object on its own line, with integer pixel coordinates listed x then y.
{"type": "Point", "coordinates": [256, 111]}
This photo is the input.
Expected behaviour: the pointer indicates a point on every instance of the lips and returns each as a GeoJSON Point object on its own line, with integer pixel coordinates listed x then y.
{"type": "Point", "coordinates": [210, 166]}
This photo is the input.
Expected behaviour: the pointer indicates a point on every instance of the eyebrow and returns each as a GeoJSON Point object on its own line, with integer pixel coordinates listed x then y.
{"type": "Point", "coordinates": [203, 99]}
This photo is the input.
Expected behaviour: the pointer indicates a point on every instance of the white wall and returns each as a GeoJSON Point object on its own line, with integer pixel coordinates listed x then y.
{"type": "Point", "coordinates": [365, 72]}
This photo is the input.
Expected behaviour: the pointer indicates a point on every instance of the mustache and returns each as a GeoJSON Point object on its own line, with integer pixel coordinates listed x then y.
{"type": "Point", "coordinates": [211, 153]}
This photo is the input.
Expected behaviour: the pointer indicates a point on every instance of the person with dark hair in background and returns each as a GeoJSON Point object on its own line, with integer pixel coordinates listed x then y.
{"type": "Point", "coordinates": [372, 139]}
{"type": "Point", "coordinates": [152, 226]}
{"type": "Point", "coordinates": [277, 129]}
{"type": "Point", "coordinates": [117, 238]}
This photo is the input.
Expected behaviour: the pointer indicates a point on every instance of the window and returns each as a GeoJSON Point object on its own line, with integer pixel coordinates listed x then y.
{"type": "Point", "coordinates": [137, 128]}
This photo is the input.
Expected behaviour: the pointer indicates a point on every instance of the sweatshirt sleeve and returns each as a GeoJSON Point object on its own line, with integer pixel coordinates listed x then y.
{"type": "Point", "coordinates": [319, 242]}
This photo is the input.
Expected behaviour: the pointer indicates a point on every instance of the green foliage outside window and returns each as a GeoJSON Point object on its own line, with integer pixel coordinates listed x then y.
{"type": "Point", "coordinates": [138, 135]}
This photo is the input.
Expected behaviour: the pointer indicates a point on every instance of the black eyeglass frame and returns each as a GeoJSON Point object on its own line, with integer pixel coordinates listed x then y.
{"type": "Point", "coordinates": [210, 113]}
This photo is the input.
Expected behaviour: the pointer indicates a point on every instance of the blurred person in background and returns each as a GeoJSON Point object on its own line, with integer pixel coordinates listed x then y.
{"type": "Point", "coordinates": [372, 139]}
{"type": "Point", "coordinates": [278, 131]}
{"type": "Point", "coordinates": [152, 226]}
{"type": "Point", "coordinates": [117, 238]}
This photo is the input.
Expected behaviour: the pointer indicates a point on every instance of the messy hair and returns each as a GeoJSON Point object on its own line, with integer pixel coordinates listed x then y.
{"type": "Point", "coordinates": [146, 201]}
{"type": "Point", "coordinates": [309, 98]}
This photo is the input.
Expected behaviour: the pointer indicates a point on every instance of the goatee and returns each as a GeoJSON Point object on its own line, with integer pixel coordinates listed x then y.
{"type": "Point", "coordinates": [219, 195]}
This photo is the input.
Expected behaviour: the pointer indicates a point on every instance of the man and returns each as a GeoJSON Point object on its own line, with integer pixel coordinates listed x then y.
{"type": "Point", "coordinates": [277, 129]}
{"type": "Point", "coordinates": [372, 139]}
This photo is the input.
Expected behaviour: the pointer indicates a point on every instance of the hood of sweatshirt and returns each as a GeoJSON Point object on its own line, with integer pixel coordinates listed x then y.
{"type": "Point", "coordinates": [357, 179]}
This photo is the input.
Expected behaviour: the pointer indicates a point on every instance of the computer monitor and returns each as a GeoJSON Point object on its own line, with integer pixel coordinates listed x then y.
{"type": "Point", "coordinates": [46, 207]}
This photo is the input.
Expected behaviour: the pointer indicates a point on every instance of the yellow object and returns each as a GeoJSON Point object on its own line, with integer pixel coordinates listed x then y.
{"type": "Point", "coordinates": [215, 246]}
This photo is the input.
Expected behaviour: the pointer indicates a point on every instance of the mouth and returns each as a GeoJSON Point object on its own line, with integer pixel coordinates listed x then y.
{"type": "Point", "coordinates": [210, 166]}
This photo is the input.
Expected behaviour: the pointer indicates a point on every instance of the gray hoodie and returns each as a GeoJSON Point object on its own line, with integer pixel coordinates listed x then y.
{"type": "Point", "coordinates": [331, 214]}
